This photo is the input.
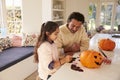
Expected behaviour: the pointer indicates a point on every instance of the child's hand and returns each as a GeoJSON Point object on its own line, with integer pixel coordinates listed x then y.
{"type": "Point", "coordinates": [106, 61]}
{"type": "Point", "coordinates": [68, 58]}
{"type": "Point", "coordinates": [57, 64]}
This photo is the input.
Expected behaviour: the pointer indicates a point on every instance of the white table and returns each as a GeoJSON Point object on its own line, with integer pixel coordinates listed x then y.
{"type": "Point", "coordinates": [105, 72]}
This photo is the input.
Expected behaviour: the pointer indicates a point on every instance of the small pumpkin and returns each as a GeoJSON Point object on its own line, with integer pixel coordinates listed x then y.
{"type": "Point", "coordinates": [91, 59]}
{"type": "Point", "coordinates": [106, 44]}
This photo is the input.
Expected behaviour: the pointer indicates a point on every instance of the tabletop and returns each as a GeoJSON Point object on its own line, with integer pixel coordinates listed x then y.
{"type": "Point", "coordinates": [104, 72]}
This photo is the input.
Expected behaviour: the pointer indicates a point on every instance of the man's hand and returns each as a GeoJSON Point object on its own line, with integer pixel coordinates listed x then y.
{"type": "Point", "coordinates": [67, 49]}
{"type": "Point", "coordinates": [75, 47]}
{"type": "Point", "coordinates": [70, 53]}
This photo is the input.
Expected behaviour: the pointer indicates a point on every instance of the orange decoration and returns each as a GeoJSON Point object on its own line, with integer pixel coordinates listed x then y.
{"type": "Point", "coordinates": [91, 59]}
{"type": "Point", "coordinates": [106, 44]}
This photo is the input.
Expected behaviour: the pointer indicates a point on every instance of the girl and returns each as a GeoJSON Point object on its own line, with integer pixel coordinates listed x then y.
{"type": "Point", "coordinates": [46, 54]}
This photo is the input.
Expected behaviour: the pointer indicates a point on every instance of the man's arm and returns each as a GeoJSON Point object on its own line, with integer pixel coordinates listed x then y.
{"type": "Point", "coordinates": [84, 44]}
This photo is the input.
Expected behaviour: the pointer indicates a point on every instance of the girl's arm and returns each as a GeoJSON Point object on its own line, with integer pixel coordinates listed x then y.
{"type": "Point", "coordinates": [66, 59]}
{"type": "Point", "coordinates": [56, 64]}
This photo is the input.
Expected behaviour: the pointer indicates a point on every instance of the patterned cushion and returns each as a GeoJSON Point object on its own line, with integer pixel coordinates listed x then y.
{"type": "Point", "coordinates": [16, 41]}
{"type": "Point", "coordinates": [30, 40]}
{"type": "Point", "coordinates": [5, 43]}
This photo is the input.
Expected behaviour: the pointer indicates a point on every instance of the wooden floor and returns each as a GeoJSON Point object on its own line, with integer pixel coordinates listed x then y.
{"type": "Point", "coordinates": [32, 76]}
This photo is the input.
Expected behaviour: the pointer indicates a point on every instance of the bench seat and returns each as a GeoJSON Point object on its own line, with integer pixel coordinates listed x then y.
{"type": "Point", "coordinates": [14, 55]}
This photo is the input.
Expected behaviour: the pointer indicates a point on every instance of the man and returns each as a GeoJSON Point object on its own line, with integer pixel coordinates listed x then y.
{"type": "Point", "coordinates": [73, 37]}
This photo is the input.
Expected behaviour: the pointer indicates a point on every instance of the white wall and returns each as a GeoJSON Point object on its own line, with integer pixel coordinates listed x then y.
{"type": "Point", "coordinates": [32, 16]}
{"type": "Point", "coordinates": [32, 12]}
{"type": "Point", "coordinates": [46, 10]}
{"type": "Point", "coordinates": [77, 5]}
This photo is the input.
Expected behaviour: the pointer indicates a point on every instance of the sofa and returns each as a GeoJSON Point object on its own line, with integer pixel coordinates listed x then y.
{"type": "Point", "coordinates": [16, 60]}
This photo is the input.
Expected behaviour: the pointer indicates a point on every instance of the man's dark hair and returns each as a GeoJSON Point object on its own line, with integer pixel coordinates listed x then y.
{"type": "Point", "coordinates": [77, 16]}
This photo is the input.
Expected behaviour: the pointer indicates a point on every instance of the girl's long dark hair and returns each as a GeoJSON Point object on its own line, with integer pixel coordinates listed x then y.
{"type": "Point", "coordinates": [46, 27]}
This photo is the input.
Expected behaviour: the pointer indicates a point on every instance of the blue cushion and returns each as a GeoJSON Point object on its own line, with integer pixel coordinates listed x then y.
{"type": "Point", "coordinates": [14, 55]}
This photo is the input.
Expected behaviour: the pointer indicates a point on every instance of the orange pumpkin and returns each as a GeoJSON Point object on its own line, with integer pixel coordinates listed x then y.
{"type": "Point", "coordinates": [106, 44]}
{"type": "Point", "coordinates": [91, 59]}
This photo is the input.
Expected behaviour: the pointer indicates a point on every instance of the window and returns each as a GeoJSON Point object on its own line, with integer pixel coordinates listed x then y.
{"type": "Point", "coordinates": [14, 19]}
{"type": "Point", "coordinates": [10, 16]}
{"type": "Point", "coordinates": [117, 18]}
{"type": "Point", "coordinates": [92, 16]}
{"type": "Point", "coordinates": [110, 14]}
{"type": "Point", "coordinates": [106, 15]}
